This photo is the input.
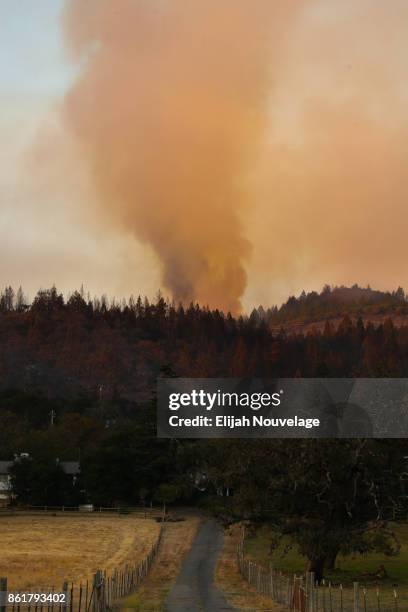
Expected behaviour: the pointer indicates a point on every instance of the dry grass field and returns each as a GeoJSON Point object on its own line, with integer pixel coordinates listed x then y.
{"type": "Point", "coordinates": [41, 551]}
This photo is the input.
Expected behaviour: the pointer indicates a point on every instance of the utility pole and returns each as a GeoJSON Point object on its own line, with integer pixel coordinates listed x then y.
{"type": "Point", "coordinates": [101, 400]}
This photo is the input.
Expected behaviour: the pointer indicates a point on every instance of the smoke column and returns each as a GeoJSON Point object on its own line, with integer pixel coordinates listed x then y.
{"type": "Point", "coordinates": [168, 112]}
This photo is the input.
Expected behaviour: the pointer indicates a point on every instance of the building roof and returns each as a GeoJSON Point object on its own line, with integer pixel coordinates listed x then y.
{"type": "Point", "coordinates": [5, 467]}
{"type": "Point", "coordinates": [70, 467]}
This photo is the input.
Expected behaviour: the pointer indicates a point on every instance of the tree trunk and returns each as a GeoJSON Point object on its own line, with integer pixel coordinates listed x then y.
{"type": "Point", "coordinates": [331, 560]}
{"type": "Point", "coordinates": [317, 566]}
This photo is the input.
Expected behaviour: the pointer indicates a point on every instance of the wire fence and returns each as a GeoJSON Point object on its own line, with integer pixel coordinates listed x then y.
{"type": "Point", "coordinates": [98, 595]}
{"type": "Point", "coordinates": [304, 594]}
{"type": "Point", "coordinates": [86, 510]}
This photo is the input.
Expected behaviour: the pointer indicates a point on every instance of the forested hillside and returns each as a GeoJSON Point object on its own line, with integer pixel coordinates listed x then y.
{"type": "Point", "coordinates": [116, 350]}
{"type": "Point", "coordinates": [335, 302]}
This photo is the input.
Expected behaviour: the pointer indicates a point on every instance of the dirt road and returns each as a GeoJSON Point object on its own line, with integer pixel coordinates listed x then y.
{"type": "Point", "coordinates": [194, 589]}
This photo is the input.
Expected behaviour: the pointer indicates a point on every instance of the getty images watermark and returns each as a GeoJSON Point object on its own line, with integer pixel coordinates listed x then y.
{"type": "Point", "coordinates": [282, 408]}
{"type": "Point", "coordinates": [221, 399]}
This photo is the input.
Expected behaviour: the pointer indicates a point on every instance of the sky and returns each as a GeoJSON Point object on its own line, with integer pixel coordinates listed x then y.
{"type": "Point", "coordinates": [293, 120]}
{"type": "Point", "coordinates": [47, 238]}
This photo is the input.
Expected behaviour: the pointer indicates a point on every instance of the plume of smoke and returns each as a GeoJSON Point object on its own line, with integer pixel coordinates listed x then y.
{"type": "Point", "coordinates": [168, 111]}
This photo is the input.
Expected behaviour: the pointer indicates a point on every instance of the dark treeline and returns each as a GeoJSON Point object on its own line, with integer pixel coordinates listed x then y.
{"type": "Point", "coordinates": [121, 460]}
{"type": "Point", "coordinates": [117, 349]}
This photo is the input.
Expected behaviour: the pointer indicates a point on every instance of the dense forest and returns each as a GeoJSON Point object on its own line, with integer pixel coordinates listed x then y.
{"type": "Point", "coordinates": [66, 348]}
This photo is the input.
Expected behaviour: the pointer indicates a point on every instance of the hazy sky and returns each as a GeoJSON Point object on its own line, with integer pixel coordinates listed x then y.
{"type": "Point", "coordinates": [326, 188]}
{"type": "Point", "coordinates": [47, 239]}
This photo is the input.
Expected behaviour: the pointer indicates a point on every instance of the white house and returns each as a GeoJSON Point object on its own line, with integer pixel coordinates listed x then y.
{"type": "Point", "coordinates": [5, 482]}
{"type": "Point", "coordinates": [72, 468]}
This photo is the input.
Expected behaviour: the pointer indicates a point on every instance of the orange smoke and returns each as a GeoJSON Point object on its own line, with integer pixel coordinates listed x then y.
{"type": "Point", "coordinates": [168, 112]}
{"type": "Point", "coordinates": [332, 179]}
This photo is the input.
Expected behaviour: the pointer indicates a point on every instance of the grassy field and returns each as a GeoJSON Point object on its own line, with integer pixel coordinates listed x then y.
{"type": "Point", "coordinates": [176, 542]}
{"type": "Point", "coordinates": [41, 551]}
{"type": "Point", "coordinates": [348, 569]}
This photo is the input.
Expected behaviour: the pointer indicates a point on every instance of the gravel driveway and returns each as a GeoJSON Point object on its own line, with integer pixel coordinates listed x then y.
{"type": "Point", "coordinates": [194, 589]}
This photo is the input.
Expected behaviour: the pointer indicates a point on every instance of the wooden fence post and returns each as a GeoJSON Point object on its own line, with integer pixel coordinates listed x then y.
{"type": "Point", "coordinates": [65, 592]}
{"type": "Point", "coordinates": [310, 586]}
{"type": "Point", "coordinates": [97, 592]}
{"type": "Point", "coordinates": [356, 602]}
{"type": "Point", "coordinates": [258, 582]}
{"type": "Point", "coordinates": [86, 595]}
{"type": "Point", "coordinates": [3, 594]}
{"type": "Point", "coordinates": [80, 597]}
{"type": "Point", "coordinates": [289, 594]}
{"type": "Point", "coordinates": [396, 600]}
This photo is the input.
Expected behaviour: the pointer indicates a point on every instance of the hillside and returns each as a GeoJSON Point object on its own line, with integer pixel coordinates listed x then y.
{"type": "Point", "coordinates": [81, 347]}
{"type": "Point", "coordinates": [311, 311]}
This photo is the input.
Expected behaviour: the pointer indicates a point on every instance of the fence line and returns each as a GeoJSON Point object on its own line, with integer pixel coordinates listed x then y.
{"type": "Point", "coordinates": [99, 595]}
{"type": "Point", "coordinates": [304, 594]}
{"type": "Point", "coordinates": [140, 511]}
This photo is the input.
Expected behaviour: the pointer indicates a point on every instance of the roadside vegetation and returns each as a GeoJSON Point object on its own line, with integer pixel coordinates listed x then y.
{"type": "Point", "coordinates": [236, 590]}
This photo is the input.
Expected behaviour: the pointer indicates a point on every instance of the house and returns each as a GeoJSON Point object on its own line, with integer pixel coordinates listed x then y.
{"type": "Point", "coordinates": [5, 482]}
{"type": "Point", "coordinates": [71, 468]}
